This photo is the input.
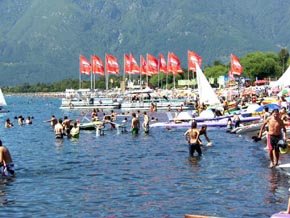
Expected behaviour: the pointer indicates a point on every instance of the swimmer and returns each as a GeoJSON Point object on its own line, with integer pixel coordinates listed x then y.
{"type": "Point", "coordinates": [6, 163]}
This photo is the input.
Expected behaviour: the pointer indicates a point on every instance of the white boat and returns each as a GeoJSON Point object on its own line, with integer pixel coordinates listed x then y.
{"type": "Point", "coordinates": [87, 99]}
{"type": "Point", "coordinates": [184, 120]}
{"type": "Point", "coordinates": [206, 93]}
{"type": "Point", "coordinates": [143, 100]}
{"type": "Point", "coordinates": [2, 102]}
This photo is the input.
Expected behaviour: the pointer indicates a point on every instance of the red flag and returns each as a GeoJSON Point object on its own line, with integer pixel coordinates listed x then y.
{"type": "Point", "coordinates": [152, 64]}
{"type": "Point", "coordinates": [236, 67]}
{"type": "Point", "coordinates": [134, 66]}
{"type": "Point", "coordinates": [112, 65]}
{"type": "Point", "coordinates": [173, 63]}
{"type": "Point", "coordinates": [143, 66]}
{"type": "Point", "coordinates": [130, 64]}
{"type": "Point", "coordinates": [97, 65]}
{"type": "Point", "coordinates": [85, 66]}
{"type": "Point", "coordinates": [192, 59]}
{"type": "Point", "coordinates": [162, 64]}
{"type": "Point", "coordinates": [127, 64]}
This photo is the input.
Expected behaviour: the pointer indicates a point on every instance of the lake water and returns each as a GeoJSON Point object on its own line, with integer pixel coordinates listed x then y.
{"type": "Point", "coordinates": [120, 175]}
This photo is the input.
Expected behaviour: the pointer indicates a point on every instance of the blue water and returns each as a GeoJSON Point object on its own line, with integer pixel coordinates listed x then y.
{"type": "Point", "coordinates": [120, 175]}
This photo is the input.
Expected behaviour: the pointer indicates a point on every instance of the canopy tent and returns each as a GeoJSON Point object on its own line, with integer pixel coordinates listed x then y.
{"type": "Point", "coordinates": [284, 80]}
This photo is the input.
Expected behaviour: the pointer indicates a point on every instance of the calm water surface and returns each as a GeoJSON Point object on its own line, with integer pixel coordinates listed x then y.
{"type": "Point", "coordinates": [120, 175]}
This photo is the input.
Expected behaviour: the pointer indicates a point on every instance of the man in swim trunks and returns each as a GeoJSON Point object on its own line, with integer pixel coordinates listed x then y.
{"type": "Point", "coordinates": [6, 163]}
{"type": "Point", "coordinates": [58, 130]}
{"type": "Point", "coordinates": [193, 139]}
{"type": "Point", "coordinates": [135, 125]}
{"type": "Point", "coordinates": [203, 131]}
{"type": "Point", "coordinates": [145, 122]}
{"type": "Point", "coordinates": [275, 128]}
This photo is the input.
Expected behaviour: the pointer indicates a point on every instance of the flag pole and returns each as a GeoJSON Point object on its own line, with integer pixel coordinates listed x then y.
{"type": "Point", "coordinates": [140, 73]}
{"type": "Point", "coordinates": [91, 76]}
{"type": "Point", "coordinates": [158, 71]}
{"type": "Point", "coordinates": [147, 69]}
{"type": "Point", "coordinates": [106, 73]}
{"type": "Point", "coordinates": [124, 73]}
{"type": "Point", "coordinates": [80, 75]}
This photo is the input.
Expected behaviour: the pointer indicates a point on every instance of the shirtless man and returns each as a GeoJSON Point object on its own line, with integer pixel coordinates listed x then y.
{"type": "Point", "coordinates": [58, 130]}
{"type": "Point", "coordinates": [193, 139]}
{"type": "Point", "coordinates": [53, 121]}
{"type": "Point", "coordinates": [6, 163]}
{"type": "Point", "coordinates": [135, 125]}
{"type": "Point", "coordinates": [145, 124]}
{"type": "Point", "coordinates": [203, 131]}
{"type": "Point", "coordinates": [275, 127]}
{"type": "Point", "coordinates": [66, 126]}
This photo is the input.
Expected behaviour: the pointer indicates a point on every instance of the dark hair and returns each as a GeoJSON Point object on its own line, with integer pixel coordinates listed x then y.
{"type": "Point", "coordinates": [193, 124]}
{"type": "Point", "coordinates": [275, 110]}
{"type": "Point", "coordinates": [0, 142]}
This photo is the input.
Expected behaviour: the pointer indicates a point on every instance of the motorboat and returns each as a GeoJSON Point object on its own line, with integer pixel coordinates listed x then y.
{"type": "Point", "coordinates": [87, 99]}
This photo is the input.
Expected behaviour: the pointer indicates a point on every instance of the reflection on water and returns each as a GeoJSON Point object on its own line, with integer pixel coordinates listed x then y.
{"type": "Point", "coordinates": [120, 175]}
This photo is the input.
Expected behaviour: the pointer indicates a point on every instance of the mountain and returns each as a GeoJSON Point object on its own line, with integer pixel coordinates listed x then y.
{"type": "Point", "coordinates": [41, 40]}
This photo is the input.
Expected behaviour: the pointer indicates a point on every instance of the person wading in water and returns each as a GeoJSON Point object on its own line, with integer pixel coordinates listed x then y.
{"type": "Point", "coordinates": [275, 128]}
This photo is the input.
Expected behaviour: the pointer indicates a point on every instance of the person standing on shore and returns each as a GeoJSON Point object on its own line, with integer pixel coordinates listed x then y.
{"type": "Point", "coordinates": [275, 129]}
{"type": "Point", "coordinates": [6, 163]}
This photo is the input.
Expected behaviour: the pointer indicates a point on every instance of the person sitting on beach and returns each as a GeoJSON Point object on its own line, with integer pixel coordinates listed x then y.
{"type": "Point", "coordinates": [8, 123]}
{"type": "Point", "coordinates": [58, 129]}
{"type": "Point", "coordinates": [6, 163]}
{"type": "Point", "coordinates": [275, 128]}
{"type": "Point", "coordinates": [203, 131]}
{"type": "Point", "coordinates": [192, 136]}
{"type": "Point", "coordinates": [135, 124]}
{"type": "Point", "coordinates": [75, 130]}
{"type": "Point", "coordinates": [28, 120]}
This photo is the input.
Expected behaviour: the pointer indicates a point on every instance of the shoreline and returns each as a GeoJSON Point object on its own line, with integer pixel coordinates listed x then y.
{"type": "Point", "coordinates": [38, 94]}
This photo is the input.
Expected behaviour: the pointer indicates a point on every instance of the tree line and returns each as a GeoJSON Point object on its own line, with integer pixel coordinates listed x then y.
{"type": "Point", "coordinates": [256, 65]}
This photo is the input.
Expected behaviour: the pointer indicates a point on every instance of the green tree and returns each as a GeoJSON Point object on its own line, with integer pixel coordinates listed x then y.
{"type": "Point", "coordinates": [216, 71]}
{"type": "Point", "coordinates": [261, 65]}
{"type": "Point", "coordinates": [283, 58]}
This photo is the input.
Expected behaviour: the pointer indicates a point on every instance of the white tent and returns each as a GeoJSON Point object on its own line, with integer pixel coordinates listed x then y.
{"type": "Point", "coordinates": [284, 80]}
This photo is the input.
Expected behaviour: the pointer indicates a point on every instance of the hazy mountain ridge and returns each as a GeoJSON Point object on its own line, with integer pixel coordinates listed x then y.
{"type": "Point", "coordinates": [40, 40]}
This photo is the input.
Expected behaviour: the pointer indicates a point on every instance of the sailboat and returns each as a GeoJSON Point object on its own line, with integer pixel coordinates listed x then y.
{"type": "Point", "coordinates": [2, 102]}
{"type": "Point", "coordinates": [205, 91]}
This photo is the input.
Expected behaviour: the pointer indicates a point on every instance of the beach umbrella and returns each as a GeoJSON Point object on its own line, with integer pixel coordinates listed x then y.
{"type": "Point", "coordinates": [252, 108]}
{"type": "Point", "coordinates": [270, 106]}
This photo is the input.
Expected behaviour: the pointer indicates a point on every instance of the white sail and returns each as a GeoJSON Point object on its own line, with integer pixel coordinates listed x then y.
{"type": "Point", "coordinates": [2, 99]}
{"type": "Point", "coordinates": [205, 91]}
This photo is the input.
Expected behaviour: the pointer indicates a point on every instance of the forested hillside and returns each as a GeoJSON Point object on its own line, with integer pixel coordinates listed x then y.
{"type": "Point", "coordinates": [41, 40]}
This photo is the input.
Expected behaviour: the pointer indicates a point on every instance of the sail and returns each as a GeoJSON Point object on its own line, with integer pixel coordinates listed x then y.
{"type": "Point", "coordinates": [205, 91]}
{"type": "Point", "coordinates": [2, 99]}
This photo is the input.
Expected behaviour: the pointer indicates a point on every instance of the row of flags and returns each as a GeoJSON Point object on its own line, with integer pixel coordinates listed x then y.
{"type": "Point", "coordinates": [150, 66]}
